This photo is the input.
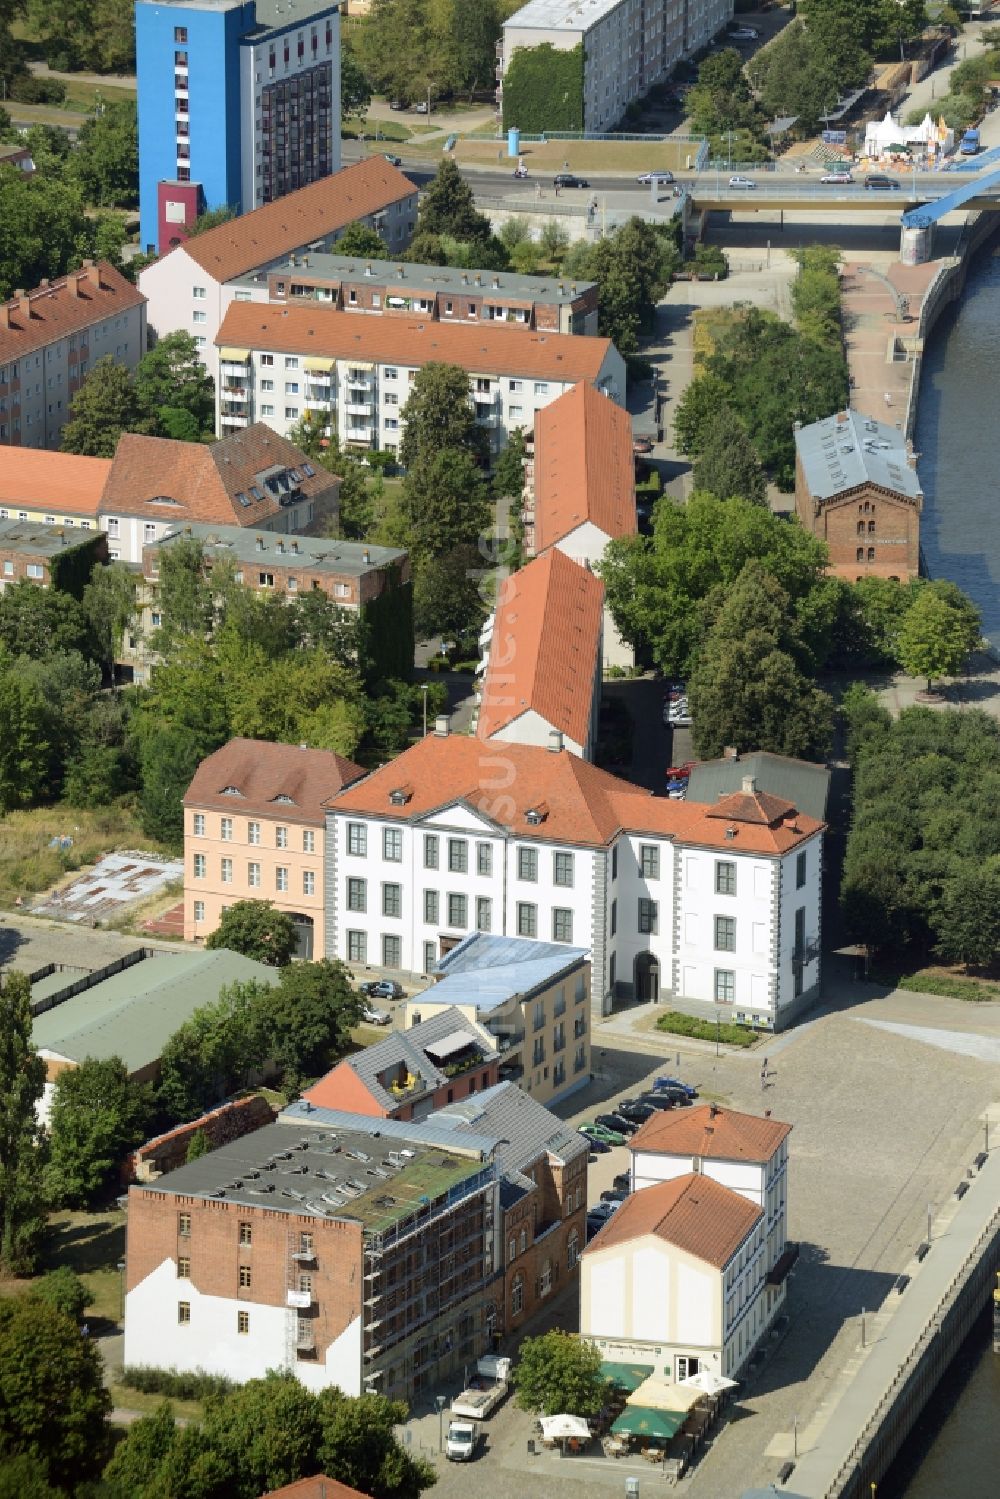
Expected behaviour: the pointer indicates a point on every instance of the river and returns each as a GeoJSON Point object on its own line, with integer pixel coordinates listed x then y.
{"type": "Point", "coordinates": [955, 435]}
{"type": "Point", "coordinates": [954, 1452]}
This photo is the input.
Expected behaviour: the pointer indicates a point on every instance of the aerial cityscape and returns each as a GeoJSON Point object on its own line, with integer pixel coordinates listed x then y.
{"type": "Point", "coordinates": [499, 749]}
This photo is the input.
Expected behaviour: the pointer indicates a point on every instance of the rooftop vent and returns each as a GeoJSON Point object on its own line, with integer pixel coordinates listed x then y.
{"type": "Point", "coordinates": [749, 785]}
{"type": "Point", "coordinates": [441, 724]}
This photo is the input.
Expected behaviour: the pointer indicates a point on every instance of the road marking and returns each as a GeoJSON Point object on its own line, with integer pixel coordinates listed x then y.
{"type": "Point", "coordinates": [981, 1048]}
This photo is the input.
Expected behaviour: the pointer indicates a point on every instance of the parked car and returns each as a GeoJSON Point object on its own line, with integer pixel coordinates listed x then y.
{"type": "Point", "coordinates": [679, 772]}
{"type": "Point", "coordinates": [744, 34]}
{"type": "Point", "coordinates": [567, 179]}
{"type": "Point", "coordinates": [661, 1101]}
{"type": "Point", "coordinates": [597, 1147]}
{"type": "Point", "coordinates": [742, 182]}
{"type": "Point", "coordinates": [617, 1122]}
{"type": "Point", "coordinates": [680, 1096]}
{"type": "Point", "coordinates": [675, 1082]}
{"type": "Point", "coordinates": [394, 161]}
{"type": "Point", "coordinates": [398, 104]}
{"type": "Point", "coordinates": [642, 444]}
{"type": "Point", "coordinates": [680, 718]}
{"type": "Point", "coordinates": [371, 1016]}
{"type": "Point", "coordinates": [658, 177]}
{"type": "Point", "coordinates": [623, 1181]}
{"type": "Point", "coordinates": [876, 182]}
{"type": "Point", "coordinates": [599, 1132]}
{"type": "Point", "coordinates": [634, 1109]}
{"type": "Point", "coordinates": [423, 108]}
{"type": "Point", "coordinates": [382, 989]}
{"type": "Point", "coordinates": [613, 1195]}
{"type": "Point", "coordinates": [836, 179]}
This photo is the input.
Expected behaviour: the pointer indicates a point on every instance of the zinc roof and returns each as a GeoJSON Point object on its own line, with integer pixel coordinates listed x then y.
{"type": "Point", "coordinates": [693, 1213]}
{"type": "Point", "coordinates": [584, 467]}
{"type": "Point", "coordinates": [524, 1127]}
{"type": "Point", "coordinates": [848, 449]}
{"type": "Point", "coordinates": [489, 971]}
{"type": "Point", "coordinates": [800, 782]}
{"type": "Point", "coordinates": [414, 280]}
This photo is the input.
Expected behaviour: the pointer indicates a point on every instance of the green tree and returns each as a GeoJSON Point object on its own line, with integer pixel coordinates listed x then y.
{"type": "Point", "coordinates": [447, 206]}
{"type": "Point", "coordinates": [170, 377]}
{"type": "Point", "coordinates": [216, 1050]}
{"type": "Point", "coordinates": [37, 622]}
{"type": "Point", "coordinates": [106, 160]}
{"type": "Point", "coordinates": [447, 598]}
{"type": "Point", "coordinates": [308, 1017]}
{"type": "Point", "coordinates": [42, 225]}
{"type": "Point", "coordinates": [198, 1145]}
{"type": "Point", "coordinates": [970, 911]}
{"type": "Point", "coordinates": [508, 470]}
{"type": "Point", "coordinates": [941, 629]}
{"type": "Point", "coordinates": [67, 687]}
{"type": "Point", "coordinates": [53, 1404]}
{"type": "Point", "coordinates": [256, 929]}
{"type": "Point", "coordinates": [557, 1372]}
{"type": "Point", "coordinates": [102, 409]}
{"type": "Point", "coordinates": [167, 762]}
{"type": "Point", "coordinates": [22, 1082]}
{"type": "Point", "coordinates": [632, 268]}
{"type": "Point", "coordinates": [211, 219]}
{"type": "Point", "coordinates": [355, 91]}
{"type": "Point", "coordinates": [97, 1115]}
{"type": "Point", "coordinates": [109, 601]}
{"type": "Point", "coordinates": [439, 414]}
{"type": "Point", "coordinates": [358, 1446]}
{"type": "Point", "coordinates": [184, 594]}
{"type": "Point", "coordinates": [64, 1290]}
{"type": "Point", "coordinates": [360, 239]}
{"type": "Point", "coordinates": [445, 504]}
{"type": "Point", "coordinates": [24, 751]}
{"type": "Point", "coordinates": [728, 464]}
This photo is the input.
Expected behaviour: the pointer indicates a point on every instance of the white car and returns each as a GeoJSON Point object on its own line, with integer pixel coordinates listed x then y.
{"type": "Point", "coordinates": [680, 720]}
{"type": "Point", "coordinates": [658, 177]}
{"type": "Point", "coordinates": [744, 34]}
{"type": "Point", "coordinates": [744, 182]}
{"type": "Point", "coordinates": [371, 1016]}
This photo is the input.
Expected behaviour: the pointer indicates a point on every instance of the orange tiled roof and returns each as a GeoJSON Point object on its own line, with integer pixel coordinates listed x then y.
{"type": "Point", "coordinates": [694, 1213]}
{"type": "Point", "coordinates": [584, 467]}
{"type": "Point", "coordinates": [319, 1487]}
{"type": "Point", "coordinates": [58, 482]}
{"type": "Point", "coordinates": [412, 342]}
{"type": "Point", "coordinates": [546, 645]}
{"type": "Point", "coordinates": [583, 804]}
{"type": "Point", "coordinates": [73, 302]}
{"type": "Point", "coordinates": [283, 781]}
{"type": "Point", "coordinates": [180, 481]}
{"type": "Point", "coordinates": [711, 1132]}
{"type": "Point", "coordinates": [265, 234]}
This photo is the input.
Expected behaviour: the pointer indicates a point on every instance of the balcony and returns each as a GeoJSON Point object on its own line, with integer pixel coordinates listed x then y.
{"type": "Point", "coordinates": [231, 393]}
{"type": "Point", "coordinates": [232, 418]}
{"type": "Point", "coordinates": [359, 408]}
{"type": "Point", "coordinates": [302, 1300]}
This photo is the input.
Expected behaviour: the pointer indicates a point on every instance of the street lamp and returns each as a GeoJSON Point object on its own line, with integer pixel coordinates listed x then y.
{"type": "Point", "coordinates": [440, 1401]}
{"type": "Point", "coordinates": [121, 1274]}
{"type": "Point", "coordinates": [795, 1437]}
{"type": "Point", "coordinates": [424, 688]}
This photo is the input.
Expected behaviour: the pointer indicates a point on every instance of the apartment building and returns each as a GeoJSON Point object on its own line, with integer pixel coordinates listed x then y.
{"type": "Point", "coordinates": [673, 1284]}
{"type": "Point", "coordinates": [533, 999]}
{"type": "Point", "coordinates": [254, 830]}
{"type": "Point", "coordinates": [712, 906]}
{"type": "Point", "coordinates": [190, 288]}
{"type": "Point", "coordinates": [579, 488]}
{"type": "Point", "coordinates": [627, 45]}
{"type": "Point", "coordinates": [52, 489]}
{"type": "Point", "coordinates": [52, 336]}
{"type": "Point", "coordinates": [239, 104]}
{"type": "Point", "coordinates": [742, 1152]}
{"type": "Point", "coordinates": [542, 662]}
{"type": "Point", "coordinates": [856, 487]}
{"type": "Point", "coordinates": [47, 556]}
{"type": "Point", "coordinates": [388, 288]}
{"type": "Point", "coordinates": [353, 1252]}
{"type": "Point", "coordinates": [414, 1073]}
{"type": "Point", "coordinates": [279, 364]}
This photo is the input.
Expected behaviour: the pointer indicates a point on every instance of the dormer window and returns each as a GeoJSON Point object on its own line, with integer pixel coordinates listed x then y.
{"type": "Point", "coordinates": [400, 795]}
{"type": "Point", "coordinates": [231, 791]}
{"type": "Point", "coordinates": [288, 801]}
{"type": "Point", "coordinates": [536, 815]}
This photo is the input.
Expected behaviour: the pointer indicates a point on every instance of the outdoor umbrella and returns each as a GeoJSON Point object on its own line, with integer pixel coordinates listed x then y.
{"type": "Point", "coordinates": [659, 1395]}
{"type": "Point", "coordinates": [709, 1382]}
{"type": "Point", "coordinates": [557, 1428]}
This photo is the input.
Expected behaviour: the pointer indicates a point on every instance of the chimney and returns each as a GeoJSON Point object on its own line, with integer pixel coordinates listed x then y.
{"type": "Point", "coordinates": [44, 282]}
{"type": "Point", "coordinates": [730, 752]}
{"type": "Point", "coordinates": [4, 315]}
{"type": "Point", "coordinates": [441, 725]}
{"type": "Point", "coordinates": [796, 425]}
{"type": "Point", "coordinates": [749, 785]}
{"type": "Point", "coordinates": [713, 1111]}
{"type": "Point", "coordinates": [73, 283]}
{"type": "Point", "coordinates": [23, 303]}
{"type": "Point", "coordinates": [555, 741]}
{"type": "Point", "coordinates": [496, 283]}
{"type": "Point", "coordinates": [93, 273]}
{"type": "Point", "coordinates": [295, 548]}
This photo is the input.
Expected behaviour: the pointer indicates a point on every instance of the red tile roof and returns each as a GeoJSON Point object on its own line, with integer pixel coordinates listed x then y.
{"type": "Point", "coordinates": [265, 234]}
{"type": "Point", "coordinates": [694, 1213]}
{"type": "Point", "coordinates": [545, 649]}
{"type": "Point", "coordinates": [319, 1487]}
{"type": "Point", "coordinates": [283, 781]}
{"type": "Point", "coordinates": [179, 481]}
{"type": "Point", "coordinates": [584, 467]}
{"type": "Point", "coordinates": [583, 805]}
{"type": "Point", "coordinates": [412, 342]}
{"type": "Point", "coordinates": [74, 302]}
{"type": "Point", "coordinates": [62, 483]}
{"type": "Point", "coordinates": [714, 1133]}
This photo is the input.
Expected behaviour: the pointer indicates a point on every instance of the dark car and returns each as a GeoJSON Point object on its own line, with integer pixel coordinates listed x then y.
{"type": "Point", "coordinates": [566, 179]}
{"type": "Point", "coordinates": [613, 1195]}
{"type": "Point", "coordinates": [597, 1147]}
{"type": "Point", "coordinates": [879, 184]}
{"type": "Point", "coordinates": [394, 161]}
{"type": "Point", "coordinates": [659, 1101]}
{"type": "Point", "coordinates": [623, 1182]}
{"type": "Point", "coordinates": [382, 989]}
{"type": "Point", "coordinates": [679, 1096]}
{"type": "Point", "coordinates": [675, 1082]}
{"type": "Point", "coordinates": [634, 1108]}
{"type": "Point", "coordinates": [617, 1122]}
{"type": "Point", "coordinates": [595, 1222]}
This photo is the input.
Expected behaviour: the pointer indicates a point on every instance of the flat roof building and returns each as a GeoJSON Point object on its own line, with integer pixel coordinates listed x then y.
{"type": "Point", "coordinates": [48, 555]}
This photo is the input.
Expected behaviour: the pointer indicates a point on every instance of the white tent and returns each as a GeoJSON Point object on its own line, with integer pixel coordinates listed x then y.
{"type": "Point", "coordinates": [558, 1428]}
{"type": "Point", "coordinates": [708, 1382]}
{"type": "Point", "coordinates": [660, 1395]}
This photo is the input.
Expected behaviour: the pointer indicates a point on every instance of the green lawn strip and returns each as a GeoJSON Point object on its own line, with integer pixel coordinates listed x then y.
{"type": "Point", "coordinates": [944, 985]}
{"type": "Point", "coordinates": [677, 1024]}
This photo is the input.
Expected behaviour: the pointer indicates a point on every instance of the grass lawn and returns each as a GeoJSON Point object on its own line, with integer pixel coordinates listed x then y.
{"type": "Point", "coordinates": [128, 1399]}
{"type": "Point", "coordinates": [584, 156]}
{"type": "Point", "coordinates": [676, 1024]}
{"type": "Point", "coordinates": [28, 865]}
{"type": "Point", "coordinates": [91, 1244]}
{"type": "Point", "coordinates": [949, 983]}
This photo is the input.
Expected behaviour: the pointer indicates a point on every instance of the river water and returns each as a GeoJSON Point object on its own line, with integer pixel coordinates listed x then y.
{"type": "Point", "coordinates": [954, 1453]}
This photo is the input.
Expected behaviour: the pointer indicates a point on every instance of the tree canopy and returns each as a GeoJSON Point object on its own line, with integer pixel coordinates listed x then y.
{"type": "Point", "coordinates": [258, 930]}
{"type": "Point", "coordinates": [447, 207]}
{"type": "Point", "coordinates": [939, 632]}
{"type": "Point", "coordinates": [22, 1082]}
{"type": "Point", "coordinates": [96, 1116]}
{"type": "Point", "coordinates": [560, 1372]}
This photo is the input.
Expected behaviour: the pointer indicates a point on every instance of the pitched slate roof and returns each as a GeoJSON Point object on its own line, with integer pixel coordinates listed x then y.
{"type": "Point", "coordinates": [694, 1213]}
{"type": "Point", "coordinates": [579, 803]}
{"type": "Point", "coordinates": [412, 342]}
{"type": "Point", "coordinates": [285, 781]}
{"type": "Point", "coordinates": [63, 483]}
{"type": "Point", "coordinates": [711, 1132]}
{"type": "Point", "coordinates": [584, 467]}
{"type": "Point", "coordinates": [314, 212]}
{"type": "Point", "coordinates": [72, 303]}
{"type": "Point", "coordinates": [525, 1128]}
{"type": "Point", "coordinates": [545, 648]}
{"type": "Point", "coordinates": [410, 1048]}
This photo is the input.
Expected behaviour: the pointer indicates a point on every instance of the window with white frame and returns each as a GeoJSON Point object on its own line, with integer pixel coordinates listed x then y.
{"type": "Point", "coordinates": [199, 910]}
{"type": "Point", "coordinates": [280, 837]}
{"type": "Point", "coordinates": [357, 839]}
{"type": "Point", "coordinates": [253, 833]}
{"type": "Point", "coordinates": [199, 825]}
{"type": "Point", "coordinates": [392, 845]}
{"type": "Point", "coordinates": [226, 829]}
{"type": "Point", "coordinates": [357, 947]}
{"type": "Point", "coordinates": [227, 871]}
{"type": "Point", "coordinates": [253, 875]}
{"type": "Point", "coordinates": [308, 841]}
{"type": "Point", "coordinates": [199, 866]}
{"type": "Point", "coordinates": [308, 882]}
{"type": "Point", "coordinates": [281, 878]}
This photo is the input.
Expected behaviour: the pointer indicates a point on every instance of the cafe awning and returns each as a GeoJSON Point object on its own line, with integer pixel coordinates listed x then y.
{"type": "Point", "coordinates": [661, 1395]}
{"type": "Point", "coordinates": [234, 356]}
{"type": "Point", "coordinates": [627, 1376]}
{"type": "Point", "coordinates": [643, 1421]}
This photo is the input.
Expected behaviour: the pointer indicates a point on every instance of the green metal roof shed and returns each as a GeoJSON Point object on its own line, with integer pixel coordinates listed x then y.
{"type": "Point", "coordinates": [800, 782]}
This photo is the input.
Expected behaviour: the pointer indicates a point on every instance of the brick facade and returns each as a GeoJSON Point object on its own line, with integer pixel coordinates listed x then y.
{"type": "Point", "coordinates": [546, 1221]}
{"type": "Point", "coordinates": [870, 531]}
{"type": "Point", "coordinates": [167, 1152]}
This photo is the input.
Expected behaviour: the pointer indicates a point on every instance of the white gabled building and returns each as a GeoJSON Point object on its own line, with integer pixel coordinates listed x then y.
{"type": "Point", "coordinates": [710, 906]}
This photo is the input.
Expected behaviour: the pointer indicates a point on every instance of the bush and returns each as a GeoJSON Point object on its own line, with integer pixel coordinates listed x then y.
{"type": "Point", "coordinates": [27, 89]}
{"type": "Point", "coordinates": [194, 1386]}
{"type": "Point", "coordinates": [706, 1030]}
{"type": "Point", "coordinates": [946, 986]}
{"type": "Point", "coordinates": [543, 90]}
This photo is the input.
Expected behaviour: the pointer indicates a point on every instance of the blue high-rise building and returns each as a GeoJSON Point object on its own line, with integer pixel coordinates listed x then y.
{"type": "Point", "coordinates": [239, 103]}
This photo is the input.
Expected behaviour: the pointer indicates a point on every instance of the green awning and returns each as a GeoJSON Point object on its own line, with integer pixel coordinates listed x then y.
{"type": "Point", "coordinates": [642, 1421]}
{"type": "Point", "coordinates": [627, 1376]}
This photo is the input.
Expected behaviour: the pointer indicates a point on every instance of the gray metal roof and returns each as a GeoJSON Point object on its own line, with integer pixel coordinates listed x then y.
{"type": "Point", "coordinates": [805, 785]}
{"type": "Point", "coordinates": [422, 1131]}
{"type": "Point", "coordinates": [134, 1013]}
{"type": "Point", "coordinates": [488, 971]}
{"type": "Point", "coordinates": [562, 15]}
{"type": "Point", "coordinates": [413, 1049]}
{"type": "Point", "coordinates": [412, 279]}
{"type": "Point", "coordinates": [525, 1128]}
{"type": "Point", "coordinates": [345, 559]}
{"type": "Point", "coordinates": [846, 450]}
